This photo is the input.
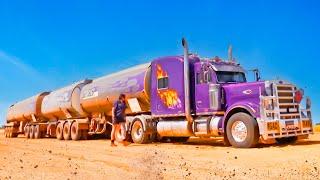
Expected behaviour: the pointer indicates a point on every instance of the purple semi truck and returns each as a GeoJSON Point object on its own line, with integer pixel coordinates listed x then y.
{"type": "Point", "coordinates": [174, 98]}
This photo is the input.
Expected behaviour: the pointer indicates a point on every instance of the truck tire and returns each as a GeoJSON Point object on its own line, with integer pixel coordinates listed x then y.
{"type": "Point", "coordinates": [59, 131]}
{"type": "Point", "coordinates": [66, 131]}
{"type": "Point", "coordinates": [75, 131]}
{"type": "Point", "coordinates": [31, 132]}
{"type": "Point", "coordinates": [37, 132]}
{"type": "Point", "coordinates": [242, 130]}
{"type": "Point", "coordinates": [137, 133]}
{"type": "Point", "coordinates": [287, 140]}
{"type": "Point", "coordinates": [27, 131]}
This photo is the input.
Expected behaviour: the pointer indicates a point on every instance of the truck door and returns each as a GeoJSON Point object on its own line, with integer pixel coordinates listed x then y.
{"type": "Point", "coordinates": [205, 89]}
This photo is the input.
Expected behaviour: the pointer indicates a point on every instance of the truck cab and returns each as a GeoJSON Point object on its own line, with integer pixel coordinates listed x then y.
{"type": "Point", "coordinates": [270, 109]}
{"type": "Point", "coordinates": [210, 97]}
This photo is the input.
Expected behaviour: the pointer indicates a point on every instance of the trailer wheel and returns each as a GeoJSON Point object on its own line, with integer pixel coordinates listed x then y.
{"type": "Point", "coordinates": [31, 132]}
{"type": "Point", "coordinates": [137, 133]}
{"type": "Point", "coordinates": [75, 132]}
{"type": "Point", "coordinates": [242, 131]}
{"type": "Point", "coordinates": [66, 131]}
{"type": "Point", "coordinates": [5, 132]}
{"type": "Point", "coordinates": [37, 132]}
{"type": "Point", "coordinates": [59, 131]}
{"type": "Point", "coordinates": [27, 131]}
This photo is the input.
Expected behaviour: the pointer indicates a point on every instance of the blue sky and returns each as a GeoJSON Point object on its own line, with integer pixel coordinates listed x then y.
{"type": "Point", "coordinates": [45, 45]}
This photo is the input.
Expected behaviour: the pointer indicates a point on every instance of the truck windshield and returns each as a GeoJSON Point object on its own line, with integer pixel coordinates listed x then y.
{"type": "Point", "coordinates": [230, 77]}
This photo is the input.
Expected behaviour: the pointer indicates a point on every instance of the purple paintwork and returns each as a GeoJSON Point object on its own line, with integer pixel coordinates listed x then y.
{"type": "Point", "coordinates": [173, 67]}
{"type": "Point", "coordinates": [244, 95]}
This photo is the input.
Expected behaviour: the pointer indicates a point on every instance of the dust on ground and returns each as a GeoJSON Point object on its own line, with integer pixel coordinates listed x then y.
{"type": "Point", "coordinates": [22, 158]}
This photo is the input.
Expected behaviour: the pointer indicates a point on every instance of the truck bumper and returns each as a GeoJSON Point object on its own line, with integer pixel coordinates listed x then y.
{"type": "Point", "coordinates": [270, 129]}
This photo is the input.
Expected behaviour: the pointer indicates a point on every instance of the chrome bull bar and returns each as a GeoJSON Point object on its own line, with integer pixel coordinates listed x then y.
{"type": "Point", "coordinates": [281, 116]}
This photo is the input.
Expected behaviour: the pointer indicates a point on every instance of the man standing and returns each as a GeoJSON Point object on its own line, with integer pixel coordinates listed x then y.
{"type": "Point", "coordinates": [119, 119]}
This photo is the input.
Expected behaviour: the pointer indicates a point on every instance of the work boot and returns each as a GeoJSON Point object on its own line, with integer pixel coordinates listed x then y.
{"type": "Point", "coordinates": [113, 144]}
{"type": "Point", "coordinates": [125, 143]}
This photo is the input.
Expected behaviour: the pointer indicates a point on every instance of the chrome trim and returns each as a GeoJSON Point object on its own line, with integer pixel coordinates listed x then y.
{"type": "Point", "coordinates": [281, 111]}
{"type": "Point", "coordinates": [186, 81]}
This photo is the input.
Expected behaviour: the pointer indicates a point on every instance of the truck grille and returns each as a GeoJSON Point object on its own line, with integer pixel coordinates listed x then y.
{"type": "Point", "coordinates": [288, 108]}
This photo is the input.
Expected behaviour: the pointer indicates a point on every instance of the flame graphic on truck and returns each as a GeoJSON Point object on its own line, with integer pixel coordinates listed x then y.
{"type": "Point", "coordinates": [168, 96]}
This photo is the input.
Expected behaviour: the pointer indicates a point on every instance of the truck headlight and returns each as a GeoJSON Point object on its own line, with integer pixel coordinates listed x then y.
{"type": "Point", "coordinates": [268, 104]}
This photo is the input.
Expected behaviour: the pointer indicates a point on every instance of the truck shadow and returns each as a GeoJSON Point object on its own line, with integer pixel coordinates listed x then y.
{"type": "Point", "coordinates": [298, 143]}
{"type": "Point", "coordinates": [220, 143]}
{"type": "Point", "coordinates": [215, 142]}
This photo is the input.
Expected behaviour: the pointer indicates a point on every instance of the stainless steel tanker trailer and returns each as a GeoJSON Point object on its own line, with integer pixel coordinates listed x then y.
{"type": "Point", "coordinates": [173, 97]}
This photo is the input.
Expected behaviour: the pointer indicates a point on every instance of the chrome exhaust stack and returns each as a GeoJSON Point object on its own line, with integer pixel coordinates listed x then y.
{"type": "Point", "coordinates": [230, 58]}
{"type": "Point", "coordinates": [181, 127]}
{"type": "Point", "coordinates": [186, 81]}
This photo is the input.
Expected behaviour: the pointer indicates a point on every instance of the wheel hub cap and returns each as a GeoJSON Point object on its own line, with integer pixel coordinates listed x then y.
{"type": "Point", "coordinates": [239, 131]}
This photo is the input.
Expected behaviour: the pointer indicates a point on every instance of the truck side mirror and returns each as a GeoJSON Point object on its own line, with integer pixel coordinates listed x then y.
{"type": "Point", "coordinates": [256, 74]}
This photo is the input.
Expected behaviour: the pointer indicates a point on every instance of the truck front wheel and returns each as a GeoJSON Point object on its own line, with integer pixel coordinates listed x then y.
{"type": "Point", "coordinates": [242, 131]}
{"type": "Point", "coordinates": [137, 133]}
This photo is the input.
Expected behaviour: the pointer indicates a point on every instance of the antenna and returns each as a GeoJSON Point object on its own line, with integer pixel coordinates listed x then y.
{"type": "Point", "coordinates": [230, 58]}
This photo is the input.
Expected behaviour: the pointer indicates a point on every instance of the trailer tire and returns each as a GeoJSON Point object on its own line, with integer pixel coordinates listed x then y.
{"type": "Point", "coordinates": [137, 133]}
{"type": "Point", "coordinates": [37, 132]}
{"type": "Point", "coordinates": [26, 131]}
{"type": "Point", "coordinates": [31, 132]}
{"type": "Point", "coordinates": [66, 131]}
{"type": "Point", "coordinates": [5, 132]}
{"type": "Point", "coordinates": [242, 130]}
{"type": "Point", "coordinates": [75, 131]}
{"type": "Point", "coordinates": [59, 131]}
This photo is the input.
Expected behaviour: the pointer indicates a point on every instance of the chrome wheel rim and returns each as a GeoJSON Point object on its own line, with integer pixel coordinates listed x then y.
{"type": "Point", "coordinates": [239, 131]}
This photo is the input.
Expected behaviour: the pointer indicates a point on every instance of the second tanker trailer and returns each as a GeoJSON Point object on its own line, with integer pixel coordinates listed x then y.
{"type": "Point", "coordinates": [172, 97]}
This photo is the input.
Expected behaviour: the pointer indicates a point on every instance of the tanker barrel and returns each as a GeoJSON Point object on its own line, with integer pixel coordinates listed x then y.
{"type": "Point", "coordinates": [65, 102]}
{"type": "Point", "coordinates": [99, 96]}
{"type": "Point", "coordinates": [24, 110]}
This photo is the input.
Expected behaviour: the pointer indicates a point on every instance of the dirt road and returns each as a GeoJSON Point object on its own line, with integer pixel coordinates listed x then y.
{"type": "Point", "coordinates": [22, 158]}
